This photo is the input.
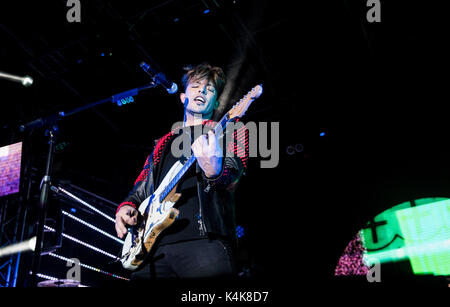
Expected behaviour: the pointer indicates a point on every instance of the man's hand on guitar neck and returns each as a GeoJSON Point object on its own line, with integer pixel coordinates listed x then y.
{"type": "Point", "coordinates": [209, 154]}
{"type": "Point", "coordinates": [126, 215]}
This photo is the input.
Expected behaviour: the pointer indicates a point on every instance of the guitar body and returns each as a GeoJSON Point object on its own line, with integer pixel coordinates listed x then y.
{"type": "Point", "coordinates": [156, 216]}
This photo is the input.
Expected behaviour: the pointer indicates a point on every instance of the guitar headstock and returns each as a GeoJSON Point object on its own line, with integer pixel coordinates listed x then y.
{"type": "Point", "coordinates": [240, 107]}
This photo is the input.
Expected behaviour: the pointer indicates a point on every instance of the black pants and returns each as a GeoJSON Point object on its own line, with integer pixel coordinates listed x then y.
{"type": "Point", "coordinates": [202, 258]}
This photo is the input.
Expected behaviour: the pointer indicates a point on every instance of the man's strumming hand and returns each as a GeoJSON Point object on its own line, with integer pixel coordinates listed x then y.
{"type": "Point", "coordinates": [126, 215]}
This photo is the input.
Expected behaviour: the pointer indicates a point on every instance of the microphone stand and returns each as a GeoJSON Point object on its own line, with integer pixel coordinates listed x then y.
{"type": "Point", "coordinates": [51, 132]}
{"type": "Point", "coordinates": [43, 203]}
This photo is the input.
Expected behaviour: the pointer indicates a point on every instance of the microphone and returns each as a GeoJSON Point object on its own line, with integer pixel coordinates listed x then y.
{"type": "Point", "coordinates": [160, 78]}
{"type": "Point", "coordinates": [26, 81]}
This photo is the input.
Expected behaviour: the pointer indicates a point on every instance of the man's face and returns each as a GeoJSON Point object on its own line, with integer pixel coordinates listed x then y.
{"type": "Point", "coordinates": [202, 98]}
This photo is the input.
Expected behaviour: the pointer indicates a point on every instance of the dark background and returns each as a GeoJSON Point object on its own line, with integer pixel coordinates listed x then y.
{"type": "Point", "coordinates": [378, 90]}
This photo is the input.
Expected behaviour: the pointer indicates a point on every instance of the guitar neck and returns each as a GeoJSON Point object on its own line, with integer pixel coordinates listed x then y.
{"type": "Point", "coordinates": [236, 111]}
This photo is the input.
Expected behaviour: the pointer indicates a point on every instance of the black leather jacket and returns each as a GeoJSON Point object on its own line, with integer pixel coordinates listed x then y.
{"type": "Point", "coordinates": [217, 207]}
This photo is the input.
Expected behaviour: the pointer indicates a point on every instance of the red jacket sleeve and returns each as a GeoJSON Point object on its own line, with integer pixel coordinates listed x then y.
{"type": "Point", "coordinates": [234, 162]}
{"type": "Point", "coordinates": [137, 195]}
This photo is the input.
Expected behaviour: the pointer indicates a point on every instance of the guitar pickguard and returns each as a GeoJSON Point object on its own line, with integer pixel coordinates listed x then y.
{"type": "Point", "coordinates": [157, 216]}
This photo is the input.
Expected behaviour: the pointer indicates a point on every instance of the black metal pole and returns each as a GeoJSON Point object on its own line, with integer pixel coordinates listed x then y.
{"type": "Point", "coordinates": [43, 205]}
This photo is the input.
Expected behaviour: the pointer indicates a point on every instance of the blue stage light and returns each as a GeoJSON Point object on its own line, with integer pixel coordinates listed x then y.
{"type": "Point", "coordinates": [206, 11]}
{"type": "Point", "coordinates": [239, 231]}
{"type": "Point", "coordinates": [73, 210]}
{"type": "Point", "coordinates": [124, 101]}
{"type": "Point", "coordinates": [322, 134]}
{"type": "Point", "coordinates": [124, 97]}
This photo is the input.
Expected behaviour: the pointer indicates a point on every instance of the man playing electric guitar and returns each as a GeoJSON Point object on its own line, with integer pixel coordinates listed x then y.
{"type": "Point", "coordinates": [199, 244]}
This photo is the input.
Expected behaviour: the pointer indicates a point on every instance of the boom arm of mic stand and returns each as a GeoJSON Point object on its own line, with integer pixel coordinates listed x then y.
{"type": "Point", "coordinates": [52, 119]}
{"type": "Point", "coordinates": [113, 98]}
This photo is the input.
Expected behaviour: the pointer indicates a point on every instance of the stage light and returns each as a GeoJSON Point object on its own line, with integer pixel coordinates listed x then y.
{"type": "Point", "coordinates": [92, 227]}
{"type": "Point", "coordinates": [87, 266]}
{"type": "Point", "coordinates": [87, 205]}
{"type": "Point", "coordinates": [206, 11]}
{"type": "Point", "coordinates": [124, 97]}
{"type": "Point", "coordinates": [73, 210]}
{"type": "Point", "coordinates": [102, 54]}
{"type": "Point", "coordinates": [124, 101]}
{"type": "Point", "coordinates": [27, 81]}
{"type": "Point", "coordinates": [83, 243]}
{"type": "Point", "coordinates": [176, 19]}
{"type": "Point", "coordinates": [239, 231]}
{"type": "Point", "coordinates": [322, 134]}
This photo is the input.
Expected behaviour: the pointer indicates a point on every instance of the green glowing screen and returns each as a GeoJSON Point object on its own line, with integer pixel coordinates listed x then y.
{"type": "Point", "coordinates": [418, 230]}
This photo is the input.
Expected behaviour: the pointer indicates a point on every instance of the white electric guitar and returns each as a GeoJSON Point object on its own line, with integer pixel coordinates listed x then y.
{"type": "Point", "coordinates": [157, 212]}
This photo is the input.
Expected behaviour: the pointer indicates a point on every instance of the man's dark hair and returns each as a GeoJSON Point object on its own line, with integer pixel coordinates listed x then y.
{"type": "Point", "coordinates": [202, 71]}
